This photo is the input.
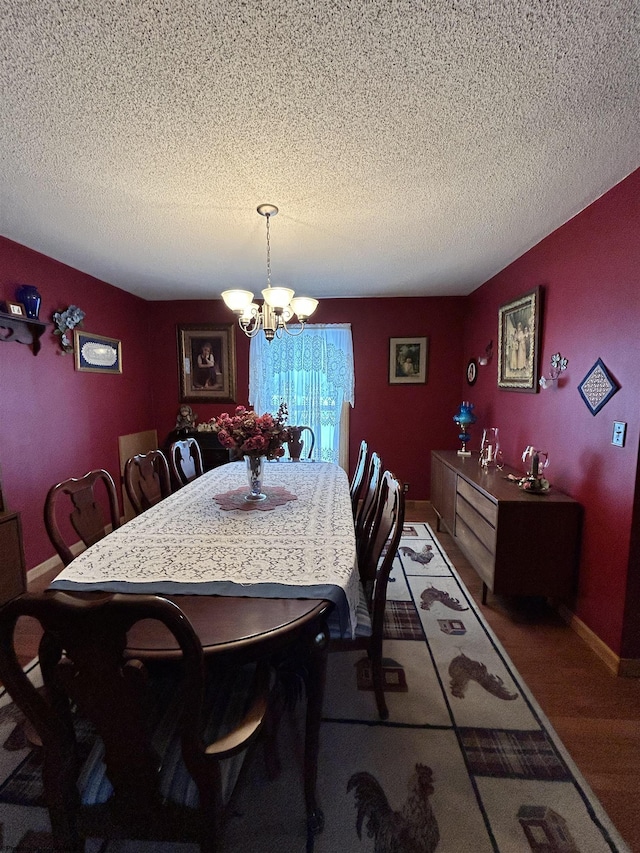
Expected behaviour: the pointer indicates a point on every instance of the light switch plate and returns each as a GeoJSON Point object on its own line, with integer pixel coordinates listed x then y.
{"type": "Point", "coordinates": [619, 433]}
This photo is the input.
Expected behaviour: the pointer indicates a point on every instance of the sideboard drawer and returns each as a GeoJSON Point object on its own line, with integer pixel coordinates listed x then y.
{"type": "Point", "coordinates": [481, 558]}
{"type": "Point", "coordinates": [485, 507]}
{"type": "Point", "coordinates": [477, 523]}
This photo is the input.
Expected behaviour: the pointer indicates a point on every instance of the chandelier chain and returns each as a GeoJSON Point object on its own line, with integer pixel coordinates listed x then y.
{"type": "Point", "coordinates": [268, 217]}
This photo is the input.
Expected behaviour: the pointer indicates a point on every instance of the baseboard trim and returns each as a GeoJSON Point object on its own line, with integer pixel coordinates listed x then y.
{"type": "Point", "coordinates": [46, 567]}
{"type": "Point", "coordinates": [625, 667]}
{"type": "Point", "coordinates": [416, 505]}
{"type": "Point", "coordinates": [629, 667]}
{"type": "Point", "coordinates": [55, 562]}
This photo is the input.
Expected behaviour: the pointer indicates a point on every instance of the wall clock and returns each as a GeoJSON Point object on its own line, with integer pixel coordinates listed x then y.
{"type": "Point", "coordinates": [472, 371]}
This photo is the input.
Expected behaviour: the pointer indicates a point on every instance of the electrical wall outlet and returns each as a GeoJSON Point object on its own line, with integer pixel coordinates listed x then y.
{"type": "Point", "coordinates": [405, 487]}
{"type": "Point", "coordinates": [619, 433]}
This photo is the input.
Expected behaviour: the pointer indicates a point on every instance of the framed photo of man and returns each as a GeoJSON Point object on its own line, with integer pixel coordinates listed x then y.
{"type": "Point", "coordinates": [207, 363]}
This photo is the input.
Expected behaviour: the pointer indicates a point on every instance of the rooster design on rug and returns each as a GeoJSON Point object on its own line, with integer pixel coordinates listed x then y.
{"type": "Point", "coordinates": [430, 595]}
{"type": "Point", "coordinates": [413, 829]}
{"type": "Point", "coordinates": [424, 557]}
{"type": "Point", "coordinates": [463, 670]}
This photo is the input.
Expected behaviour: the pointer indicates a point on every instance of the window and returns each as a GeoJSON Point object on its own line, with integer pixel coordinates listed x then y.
{"type": "Point", "coordinates": [313, 374]}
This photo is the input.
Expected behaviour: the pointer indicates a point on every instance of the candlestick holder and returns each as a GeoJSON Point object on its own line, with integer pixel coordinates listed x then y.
{"type": "Point", "coordinates": [490, 453]}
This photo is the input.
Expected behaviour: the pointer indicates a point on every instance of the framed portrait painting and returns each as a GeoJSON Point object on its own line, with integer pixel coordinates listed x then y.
{"type": "Point", "coordinates": [207, 363]}
{"type": "Point", "coordinates": [519, 342]}
{"type": "Point", "coordinates": [407, 360]}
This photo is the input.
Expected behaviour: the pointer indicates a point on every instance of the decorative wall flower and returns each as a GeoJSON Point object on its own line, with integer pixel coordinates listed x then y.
{"type": "Point", "coordinates": [251, 434]}
{"type": "Point", "coordinates": [65, 322]}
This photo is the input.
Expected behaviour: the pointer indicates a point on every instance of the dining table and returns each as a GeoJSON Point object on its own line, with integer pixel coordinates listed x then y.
{"type": "Point", "coordinates": [253, 577]}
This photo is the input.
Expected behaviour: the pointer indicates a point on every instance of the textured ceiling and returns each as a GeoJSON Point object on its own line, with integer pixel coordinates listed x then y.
{"type": "Point", "coordinates": [412, 147]}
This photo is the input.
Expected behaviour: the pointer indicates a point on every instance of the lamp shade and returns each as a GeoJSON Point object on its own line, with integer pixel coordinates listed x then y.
{"type": "Point", "coordinates": [303, 306]}
{"type": "Point", "coordinates": [277, 297]}
{"type": "Point", "coordinates": [237, 300]}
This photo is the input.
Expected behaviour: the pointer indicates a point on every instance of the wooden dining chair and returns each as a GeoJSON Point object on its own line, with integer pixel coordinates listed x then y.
{"type": "Point", "coordinates": [355, 487]}
{"type": "Point", "coordinates": [366, 512]}
{"type": "Point", "coordinates": [185, 461]}
{"type": "Point", "coordinates": [132, 749]}
{"type": "Point", "coordinates": [374, 567]}
{"type": "Point", "coordinates": [81, 501]}
{"type": "Point", "coordinates": [295, 442]}
{"type": "Point", "coordinates": [147, 480]}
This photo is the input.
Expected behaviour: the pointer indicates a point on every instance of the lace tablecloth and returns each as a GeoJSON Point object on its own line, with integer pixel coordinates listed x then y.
{"type": "Point", "coordinates": [188, 544]}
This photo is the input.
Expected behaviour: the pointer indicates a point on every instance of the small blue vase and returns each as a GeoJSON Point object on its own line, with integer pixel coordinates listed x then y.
{"type": "Point", "coordinates": [28, 295]}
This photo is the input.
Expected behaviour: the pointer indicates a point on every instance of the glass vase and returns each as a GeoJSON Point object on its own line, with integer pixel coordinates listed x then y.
{"type": "Point", "coordinates": [255, 476]}
{"type": "Point", "coordinates": [490, 453]}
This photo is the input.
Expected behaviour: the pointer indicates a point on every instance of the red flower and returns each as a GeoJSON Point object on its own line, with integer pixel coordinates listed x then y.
{"type": "Point", "coordinates": [251, 434]}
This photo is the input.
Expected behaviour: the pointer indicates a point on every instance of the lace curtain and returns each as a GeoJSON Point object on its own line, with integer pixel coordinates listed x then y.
{"type": "Point", "coordinates": [313, 374]}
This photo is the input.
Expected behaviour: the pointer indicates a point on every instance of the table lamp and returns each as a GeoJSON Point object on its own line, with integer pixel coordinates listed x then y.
{"type": "Point", "coordinates": [464, 417]}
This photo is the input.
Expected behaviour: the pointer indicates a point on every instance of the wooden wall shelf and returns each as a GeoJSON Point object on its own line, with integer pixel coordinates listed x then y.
{"type": "Point", "coordinates": [21, 329]}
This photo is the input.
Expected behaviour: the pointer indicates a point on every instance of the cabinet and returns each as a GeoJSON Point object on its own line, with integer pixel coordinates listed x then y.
{"type": "Point", "coordinates": [12, 570]}
{"type": "Point", "coordinates": [518, 543]}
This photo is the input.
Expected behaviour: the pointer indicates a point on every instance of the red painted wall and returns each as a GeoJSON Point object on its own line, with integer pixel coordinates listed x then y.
{"type": "Point", "coordinates": [590, 273]}
{"type": "Point", "coordinates": [401, 422]}
{"type": "Point", "coordinates": [54, 421]}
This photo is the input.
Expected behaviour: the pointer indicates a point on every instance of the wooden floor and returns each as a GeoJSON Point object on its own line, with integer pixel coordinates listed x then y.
{"type": "Point", "coordinates": [596, 714]}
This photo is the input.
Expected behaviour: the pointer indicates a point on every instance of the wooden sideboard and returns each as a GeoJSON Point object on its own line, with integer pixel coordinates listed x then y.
{"type": "Point", "coordinates": [519, 543]}
{"type": "Point", "coordinates": [13, 579]}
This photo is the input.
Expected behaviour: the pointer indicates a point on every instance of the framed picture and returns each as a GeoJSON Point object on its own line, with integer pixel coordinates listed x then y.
{"type": "Point", "coordinates": [597, 387]}
{"type": "Point", "coordinates": [519, 343]}
{"type": "Point", "coordinates": [207, 363]}
{"type": "Point", "coordinates": [16, 309]}
{"type": "Point", "coordinates": [407, 360]}
{"type": "Point", "coordinates": [97, 354]}
{"type": "Point", "coordinates": [472, 371]}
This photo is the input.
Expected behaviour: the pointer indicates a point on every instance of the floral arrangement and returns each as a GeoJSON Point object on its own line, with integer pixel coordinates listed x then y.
{"type": "Point", "coordinates": [65, 322]}
{"type": "Point", "coordinates": [253, 435]}
{"type": "Point", "coordinates": [530, 483]}
{"type": "Point", "coordinates": [534, 484]}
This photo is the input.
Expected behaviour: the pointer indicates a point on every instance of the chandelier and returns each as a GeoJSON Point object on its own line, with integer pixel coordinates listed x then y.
{"type": "Point", "coordinates": [279, 303]}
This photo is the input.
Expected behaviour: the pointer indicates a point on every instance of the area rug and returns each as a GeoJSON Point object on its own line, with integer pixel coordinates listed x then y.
{"type": "Point", "coordinates": [466, 762]}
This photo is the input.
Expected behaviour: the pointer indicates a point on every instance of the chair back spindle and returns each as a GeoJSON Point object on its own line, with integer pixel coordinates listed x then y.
{"type": "Point", "coordinates": [81, 500]}
{"type": "Point", "coordinates": [147, 480]}
{"type": "Point", "coordinates": [185, 460]}
{"type": "Point", "coordinates": [295, 442]}
{"type": "Point", "coordinates": [355, 487]}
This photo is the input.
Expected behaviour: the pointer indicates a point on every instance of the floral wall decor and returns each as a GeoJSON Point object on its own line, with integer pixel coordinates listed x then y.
{"type": "Point", "coordinates": [65, 322]}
